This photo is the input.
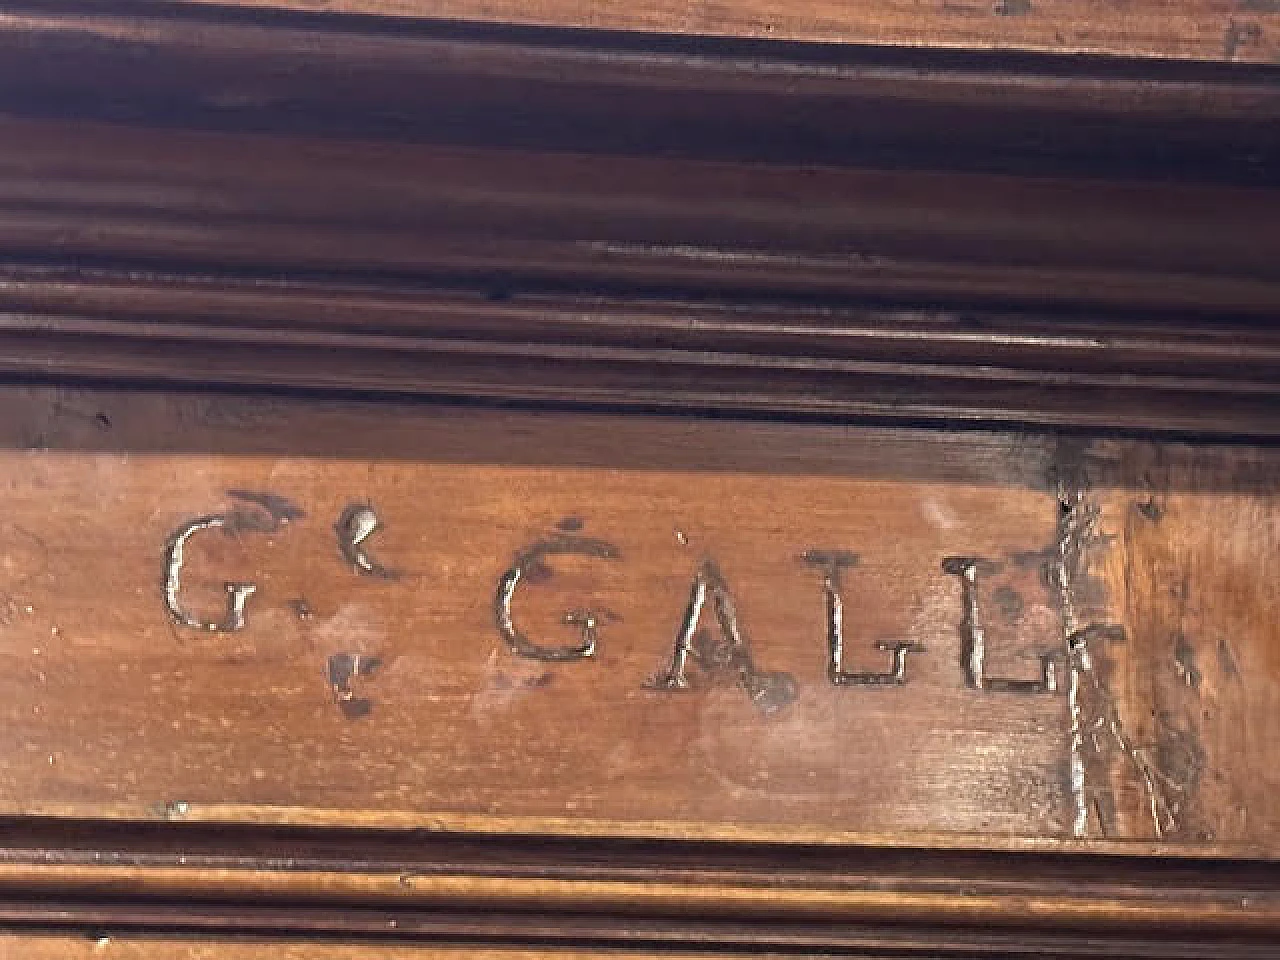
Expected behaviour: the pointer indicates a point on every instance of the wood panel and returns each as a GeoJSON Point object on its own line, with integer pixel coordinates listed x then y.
{"type": "Point", "coordinates": [1158, 729]}
{"type": "Point", "coordinates": [1193, 29]}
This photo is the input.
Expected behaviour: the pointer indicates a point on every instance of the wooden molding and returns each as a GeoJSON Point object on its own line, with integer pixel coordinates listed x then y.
{"type": "Point", "coordinates": [920, 305]}
{"type": "Point", "coordinates": [643, 895]}
{"type": "Point", "coordinates": [508, 213]}
{"type": "Point", "coordinates": [896, 363]}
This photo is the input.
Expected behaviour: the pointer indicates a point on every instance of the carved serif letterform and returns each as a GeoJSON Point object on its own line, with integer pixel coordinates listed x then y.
{"type": "Point", "coordinates": [833, 563]}
{"type": "Point", "coordinates": [252, 513]}
{"type": "Point", "coordinates": [770, 691]}
{"type": "Point", "coordinates": [974, 654]}
{"type": "Point", "coordinates": [530, 565]}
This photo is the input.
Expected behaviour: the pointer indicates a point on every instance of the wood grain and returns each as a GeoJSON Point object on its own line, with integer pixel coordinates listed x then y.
{"type": "Point", "coordinates": [116, 946]}
{"type": "Point", "coordinates": [1035, 715]}
{"type": "Point", "coordinates": [14, 947]}
{"type": "Point", "coordinates": [602, 94]}
{"type": "Point", "coordinates": [106, 947]}
{"type": "Point", "coordinates": [115, 711]}
{"type": "Point", "coordinates": [1192, 29]}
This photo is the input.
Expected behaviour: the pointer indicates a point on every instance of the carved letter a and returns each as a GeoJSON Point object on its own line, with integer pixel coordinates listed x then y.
{"type": "Point", "coordinates": [770, 691]}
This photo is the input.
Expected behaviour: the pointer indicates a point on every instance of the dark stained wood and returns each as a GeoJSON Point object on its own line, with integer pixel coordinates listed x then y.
{"type": "Point", "coordinates": [610, 94]}
{"type": "Point", "coordinates": [647, 353]}
{"type": "Point", "coordinates": [498, 213]}
{"type": "Point", "coordinates": [183, 200]}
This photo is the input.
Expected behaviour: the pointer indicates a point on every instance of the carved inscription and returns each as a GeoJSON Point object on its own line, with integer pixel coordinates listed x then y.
{"type": "Point", "coordinates": [357, 524]}
{"type": "Point", "coordinates": [253, 513]}
{"type": "Point", "coordinates": [770, 691]}
{"type": "Point", "coordinates": [530, 566]}
{"type": "Point", "coordinates": [974, 656]}
{"type": "Point", "coordinates": [720, 649]}
{"type": "Point", "coordinates": [833, 563]}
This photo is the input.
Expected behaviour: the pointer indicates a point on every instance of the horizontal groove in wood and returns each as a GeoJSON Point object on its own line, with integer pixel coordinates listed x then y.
{"type": "Point", "coordinates": [890, 363]}
{"type": "Point", "coordinates": [693, 886]}
{"type": "Point", "coordinates": [1251, 912]}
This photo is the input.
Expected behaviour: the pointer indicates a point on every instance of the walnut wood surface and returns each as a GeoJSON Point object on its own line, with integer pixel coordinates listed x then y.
{"type": "Point", "coordinates": [128, 947]}
{"type": "Point", "coordinates": [161, 777]}
{"type": "Point", "coordinates": [332, 218]}
{"type": "Point", "coordinates": [125, 948]}
{"type": "Point", "coordinates": [115, 711]}
{"type": "Point", "coordinates": [1193, 29]}
{"type": "Point", "coordinates": [13, 947]}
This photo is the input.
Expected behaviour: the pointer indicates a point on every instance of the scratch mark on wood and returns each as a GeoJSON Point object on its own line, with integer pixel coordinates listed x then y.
{"type": "Point", "coordinates": [1092, 707]}
{"type": "Point", "coordinates": [1227, 660]}
{"type": "Point", "coordinates": [1184, 658]}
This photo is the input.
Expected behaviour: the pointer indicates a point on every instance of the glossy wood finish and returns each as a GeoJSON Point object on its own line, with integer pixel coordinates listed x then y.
{"type": "Point", "coordinates": [640, 352]}
{"type": "Point", "coordinates": [464, 211]}
{"type": "Point", "coordinates": [419, 287]}
{"type": "Point", "coordinates": [1194, 29]}
{"type": "Point", "coordinates": [132, 947]}
{"type": "Point", "coordinates": [166, 777]}
{"type": "Point", "coordinates": [215, 723]}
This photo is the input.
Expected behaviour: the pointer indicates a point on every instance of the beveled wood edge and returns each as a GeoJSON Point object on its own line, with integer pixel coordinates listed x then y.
{"type": "Point", "coordinates": [222, 879]}
{"type": "Point", "coordinates": [1076, 28]}
{"type": "Point", "coordinates": [254, 817]}
{"type": "Point", "coordinates": [1257, 912]}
